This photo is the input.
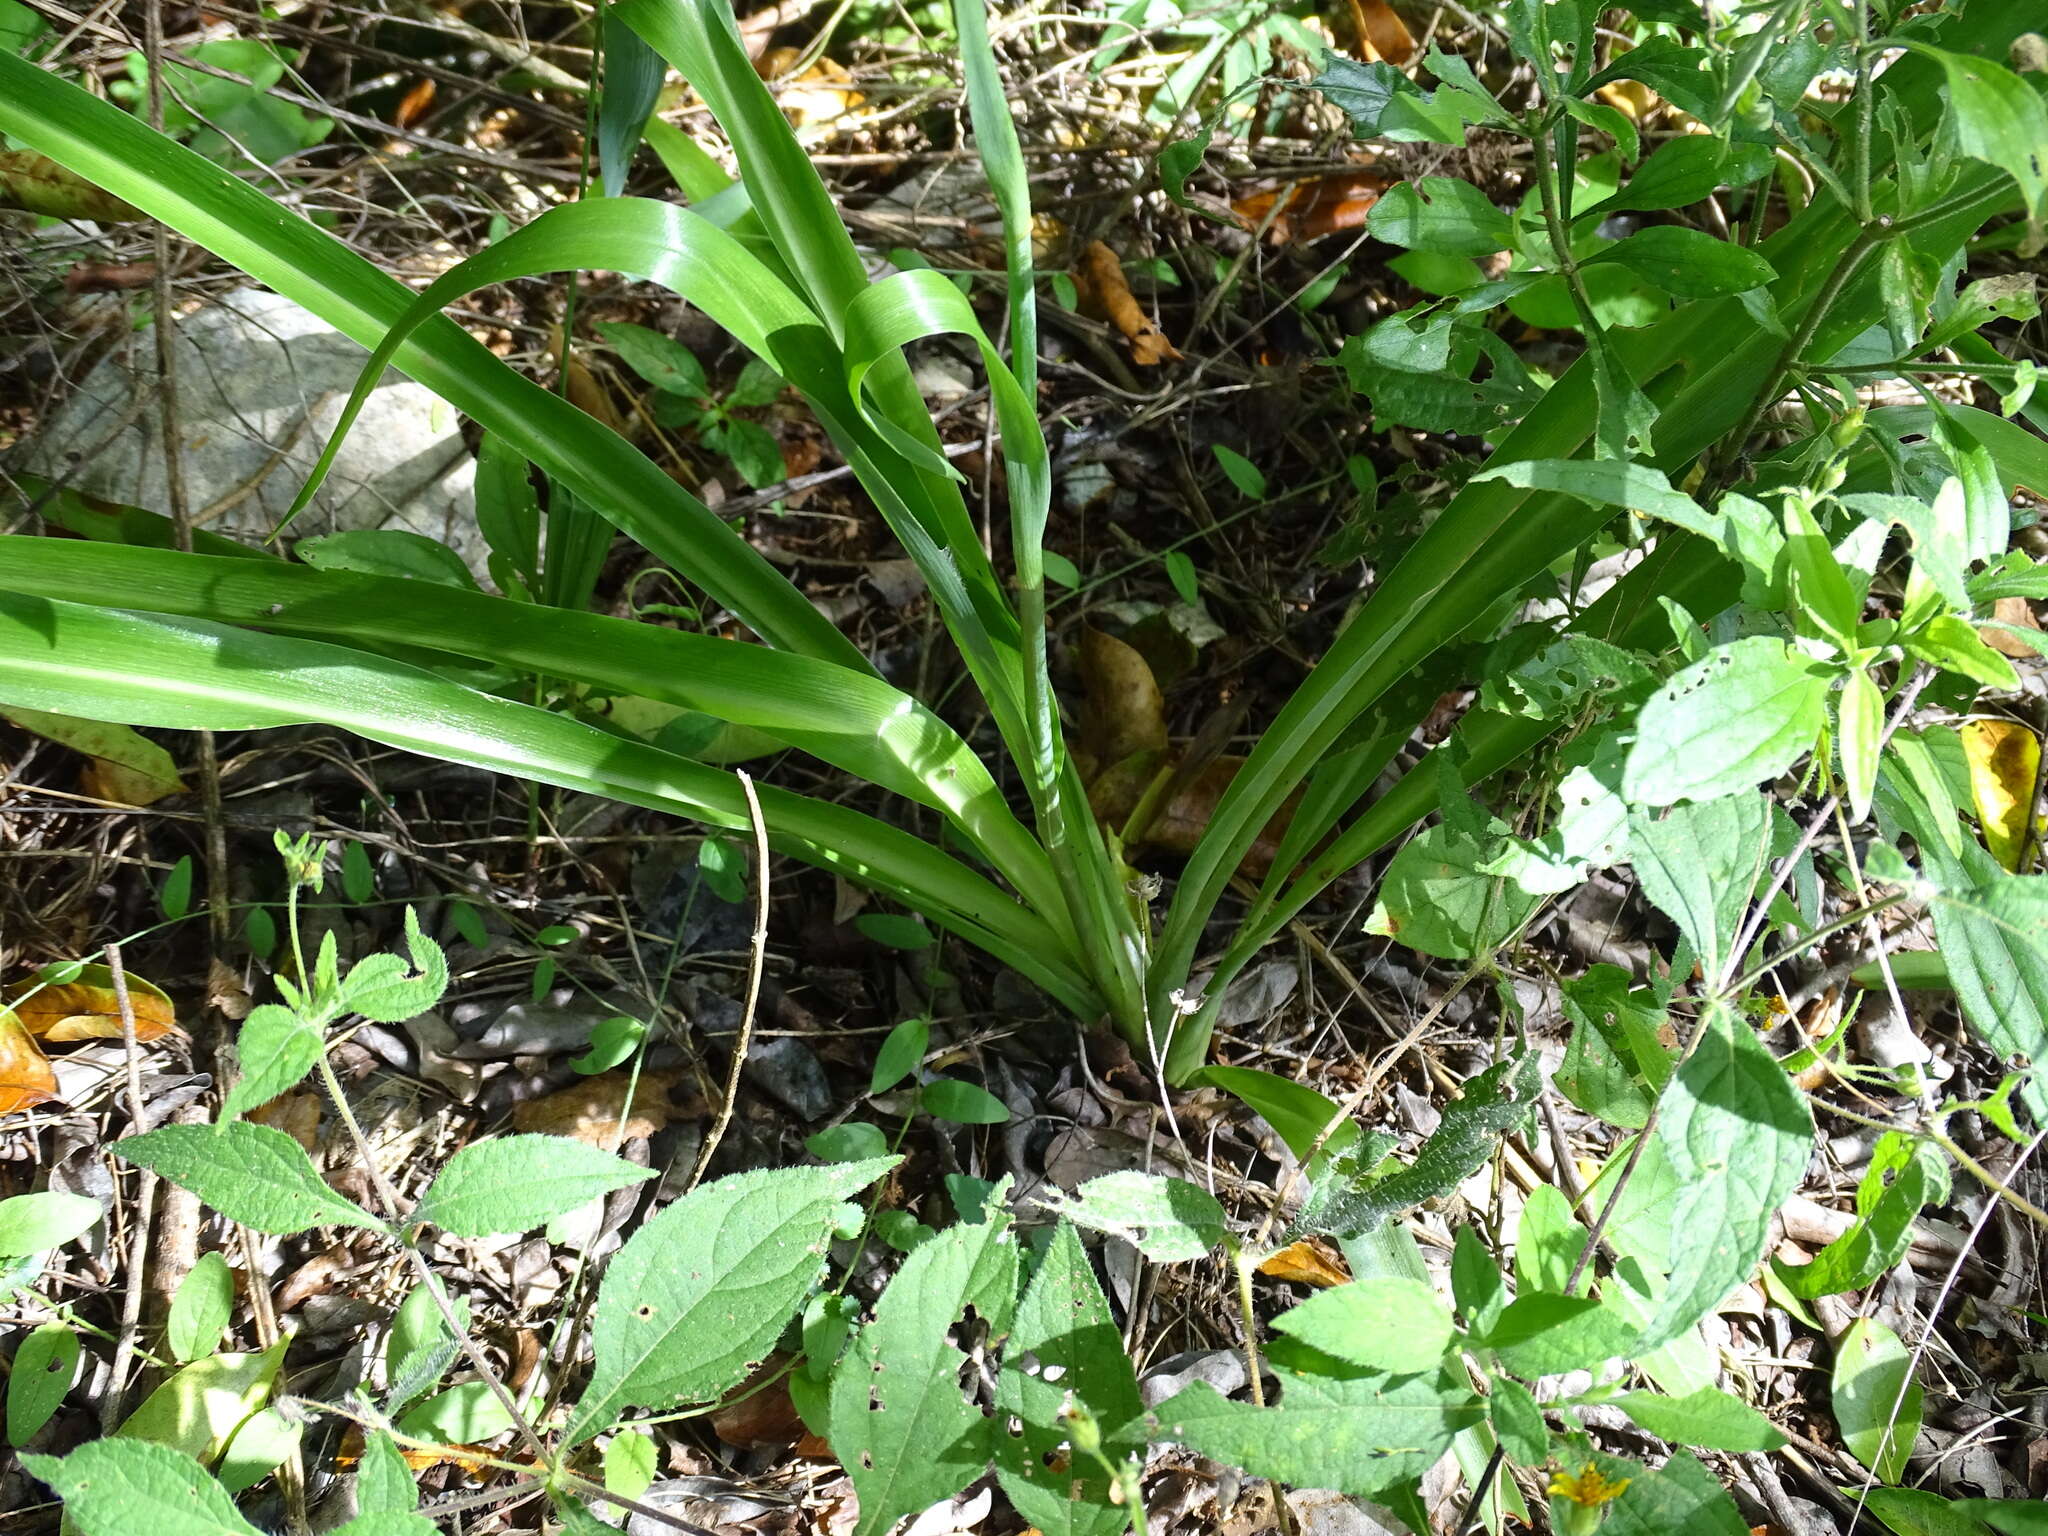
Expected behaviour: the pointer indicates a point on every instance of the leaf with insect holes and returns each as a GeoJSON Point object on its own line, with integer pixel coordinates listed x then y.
{"type": "Point", "coordinates": [42, 1221]}
{"type": "Point", "coordinates": [1336, 1426]}
{"type": "Point", "coordinates": [40, 1376]}
{"type": "Point", "coordinates": [700, 1293]}
{"type": "Point", "coordinates": [249, 1173]}
{"type": "Point", "coordinates": [517, 1183]}
{"type": "Point", "coordinates": [1064, 1348]}
{"type": "Point", "coordinates": [201, 1309]}
{"type": "Point", "coordinates": [897, 1418]}
{"type": "Point", "coordinates": [901, 1054]}
{"type": "Point", "coordinates": [114, 1487]}
{"type": "Point", "coordinates": [1168, 1220]}
{"type": "Point", "coordinates": [1742, 714]}
{"type": "Point", "coordinates": [1876, 1400]}
{"type": "Point", "coordinates": [277, 1049]}
{"type": "Point", "coordinates": [385, 990]}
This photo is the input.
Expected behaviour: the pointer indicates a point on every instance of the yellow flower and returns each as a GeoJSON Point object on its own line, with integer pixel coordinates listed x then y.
{"type": "Point", "coordinates": [1587, 1488]}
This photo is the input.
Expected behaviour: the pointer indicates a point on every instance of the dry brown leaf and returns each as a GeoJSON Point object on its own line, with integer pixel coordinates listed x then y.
{"type": "Point", "coordinates": [1106, 292]}
{"type": "Point", "coordinates": [589, 1110]}
{"type": "Point", "coordinates": [412, 106]}
{"type": "Point", "coordinates": [224, 990]}
{"type": "Point", "coordinates": [1382, 34]}
{"type": "Point", "coordinates": [296, 1114]}
{"type": "Point", "coordinates": [2019, 613]}
{"type": "Point", "coordinates": [1313, 1261]}
{"type": "Point", "coordinates": [26, 1077]}
{"type": "Point", "coordinates": [1631, 98]}
{"type": "Point", "coordinates": [87, 1009]}
{"type": "Point", "coordinates": [759, 1412]}
{"type": "Point", "coordinates": [39, 184]}
{"type": "Point", "coordinates": [108, 277]}
{"type": "Point", "coordinates": [1122, 710]}
{"type": "Point", "coordinates": [1311, 210]}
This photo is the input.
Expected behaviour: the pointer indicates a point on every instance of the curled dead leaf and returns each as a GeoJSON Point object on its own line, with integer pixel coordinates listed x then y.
{"type": "Point", "coordinates": [87, 1009]}
{"type": "Point", "coordinates": [821, 94]}
{"type": "Point", "coordinates": [590, 1110]}
{"type": "Point", "coordinates": [1313, 1261]}
{"type": "Point", "coordinates": [759, 1412]}
{"type": "Point", "coordinates": [26, 1077]}
{"type": "Point", "coordinates": [1107, 292]}
{"type": "Point", "coordinates": [2019, 613]}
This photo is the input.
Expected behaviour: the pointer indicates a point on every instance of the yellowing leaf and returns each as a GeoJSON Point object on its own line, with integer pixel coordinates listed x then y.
{"type": "Point", "coordinates": [1313, 1261]}
{"type": "Point", "coordinates": [2005, 762]}
{"type": "Point", "coordinates": [1106, 292]}
{"type": "Point", "coordinates": [127, 767]}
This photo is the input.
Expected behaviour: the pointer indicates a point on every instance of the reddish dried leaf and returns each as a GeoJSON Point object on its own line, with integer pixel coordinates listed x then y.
{"type": "Point", "coordinates": [413, 105]}
{"type": "Point", "coordinates": [87, 1009]}
{"type": "Point", "coordinates": [759, 1412]}
{"type": "Point", "coordinates": [1382, 34]}
{"type": "Point", "coordinates": [1311, 210]}
{"type": "Point", "coordinates": [1105, 291]}
{"type": "Point", "coordinates": [26, 1078]}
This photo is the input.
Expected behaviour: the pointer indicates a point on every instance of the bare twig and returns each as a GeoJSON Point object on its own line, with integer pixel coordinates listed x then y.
{"type": "Point", "coordinates": [744, 1038]}
{"type": "Point", "coordinates": [145, 1204]}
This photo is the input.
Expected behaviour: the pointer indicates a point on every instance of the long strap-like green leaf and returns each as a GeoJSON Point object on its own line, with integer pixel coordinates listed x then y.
{"type": "Point", "coordinates": [112, 149]}
{"type": "Point", "coordinates": [142, 669]}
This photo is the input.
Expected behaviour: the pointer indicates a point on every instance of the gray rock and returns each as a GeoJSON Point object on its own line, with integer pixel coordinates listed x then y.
{"type": "Point", "coordinates": [261, 384]}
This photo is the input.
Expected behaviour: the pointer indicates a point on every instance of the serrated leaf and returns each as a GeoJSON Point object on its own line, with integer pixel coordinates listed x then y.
{"type": "Point", "coordinates": [1876, 1400]}
{"type": "Point", "coordinates": [898, 1420]}
{"type": "Point", "coordinates": [201, 1406]}
{"type": "Point", "coordinates": [277, 1049]}
{"type": "Point", "coordinates": [1743, 714]}
{"type": "Point", "coordinates": [1168, 1220]}
{"type": "Point", "coordinates": [1735, 1135]}
{"type": "Point", "coordinates": [1064, 1348]}
{"type": "Point", "coordinates": [250, 1173]}
{"type": "Point", "coordinates": [1698, 864]}
{"type": "Point", "coordinates": [1679, 1496]}
{"type": "Point", "coordinates": [38, 1378]}
{"type": "Point", "coordinates": [1384, 1323]}
{"type": "Point", "coordinates": [201, 1309]}
{"type": "Point", "coordinates": [385, 990]}
{"type": "Point", "coordinates": [39, 1222]}
{"type": "Point", "coordinates": [1335, 1426]}
{"type": "Point", "coordinates": [420, 1348]}
{"type": "Point", "coordinates": [384, 1483]}
{"type": "Point", "coordinates": [1708, 1417]}
{"type": "Point", "coordinates": [518, 1183]}
{"type": "Point", "coordinates": [699, 1294]}
{"type": "Point", "coordinates": [1494, 1102]}
{"type": "Point", "coordinates": [1543, 1335]}
{"type": "Point", "coordinates": [112, 1487]}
